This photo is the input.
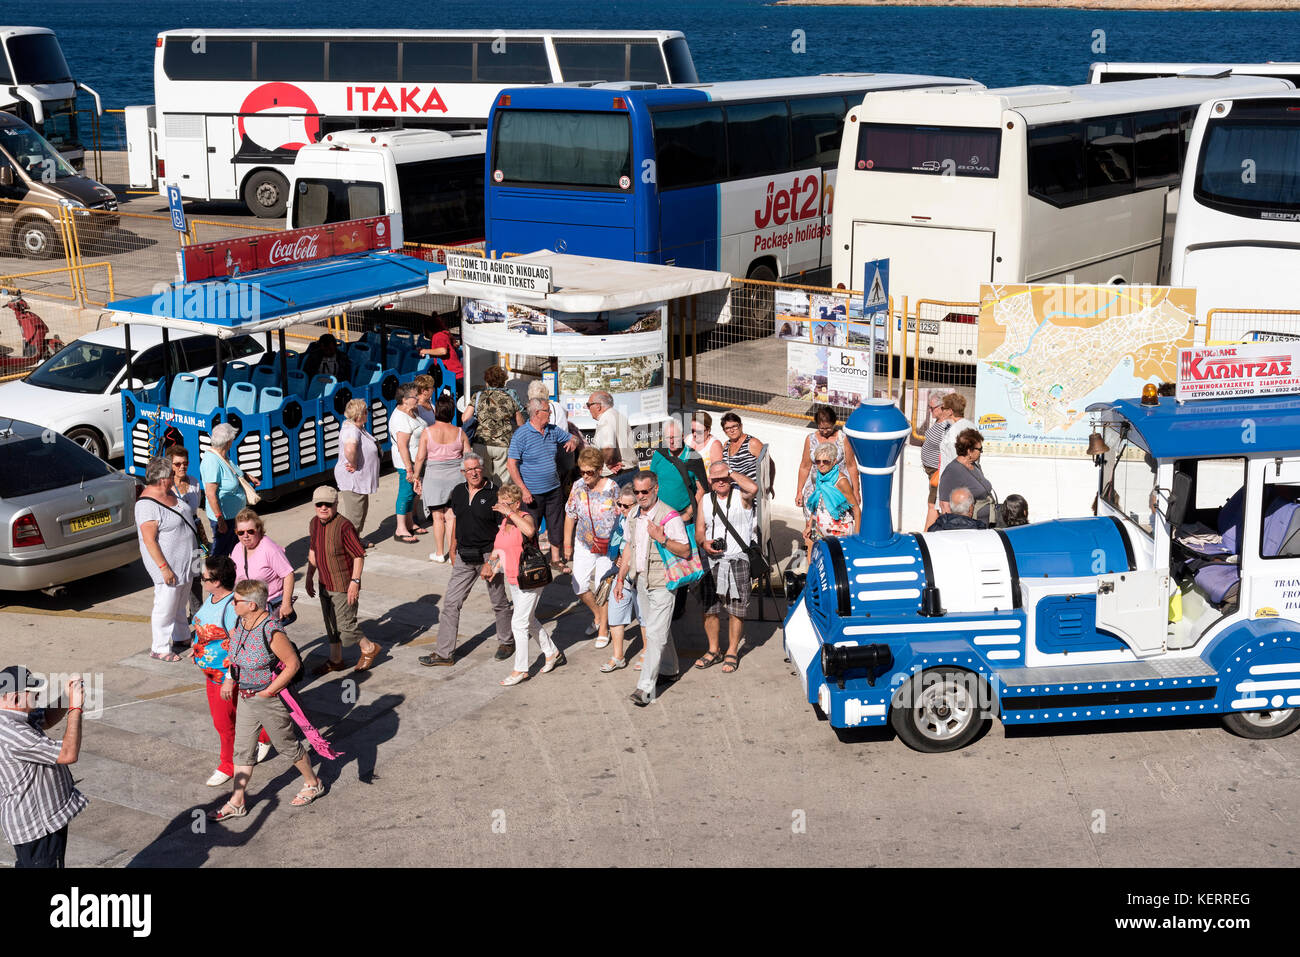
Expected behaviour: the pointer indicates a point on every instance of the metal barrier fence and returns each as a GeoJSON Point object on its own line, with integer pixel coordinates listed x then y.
{"type": "Point", "coordinates": [1223, 326]}
{"type": "Point", "coordinates": [744, 363]}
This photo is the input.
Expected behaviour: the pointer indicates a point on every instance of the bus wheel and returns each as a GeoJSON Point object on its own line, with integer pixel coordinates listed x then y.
{"type": "Point", "coordinates": [35, 239]}
{"type": "Point", "coordinates": [266, 193]}
{"type": "Point", "coordinates": [939, 710]}
{"type": "Point", "coordinates": [757, 304]}
{"type": "Point", "coordinates": [1262, 724]}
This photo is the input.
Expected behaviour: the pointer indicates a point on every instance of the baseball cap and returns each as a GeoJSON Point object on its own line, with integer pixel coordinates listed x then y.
{"type": "Point", "coordinates": [325, 495]}
{"type": "Point", "coordinates": [17, 678]}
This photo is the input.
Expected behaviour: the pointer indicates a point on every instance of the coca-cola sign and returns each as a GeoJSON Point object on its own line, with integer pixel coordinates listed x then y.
{"type": "Point", "coordinates": [230, 258]}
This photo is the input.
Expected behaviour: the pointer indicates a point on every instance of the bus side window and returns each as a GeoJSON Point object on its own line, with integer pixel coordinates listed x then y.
{"type": "Point", "coordinates": [1109, 152]}
{"type": "Point", "coordinates": [690, 147]}
{"type": "Point", "coordinates": [1056, 164]}
{"type": "Point", "coordinates": [816, 128]}
{"type": "Point", "coordinates": [1159, 157]}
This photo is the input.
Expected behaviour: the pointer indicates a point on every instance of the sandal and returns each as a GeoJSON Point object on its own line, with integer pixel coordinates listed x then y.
{"type": "Point", "coordinates": [514, 678]}
{"type": "Point", "coordinates": [308, 794]}
{"type": "Point", "coordinates": [614, 664]}
{"type": "Point", "coordinates": [421, 531]}
{"type": "Point", "coordinates": [602, 641]}
{"type": "Point", "coordinates": [406, 539]}
{"type": "Point", "coordinates": [170, 656]}
{"type": "Point", "coordinates": [228, 810]}
{"type": "Point", "coordinates": [732, 662]}
{"type": "Point", "coordinates": [562, 567]}
{"type": "Point", "coordinates": [708, 660]}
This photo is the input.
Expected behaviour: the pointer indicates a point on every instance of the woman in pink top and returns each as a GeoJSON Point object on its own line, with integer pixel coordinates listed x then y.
{"type": "Point", "coordinates": [257, 558]}
{"type": "Point", "coordinates": [443, 446]}
{"type": "Point", "coordinates": [516, 526]}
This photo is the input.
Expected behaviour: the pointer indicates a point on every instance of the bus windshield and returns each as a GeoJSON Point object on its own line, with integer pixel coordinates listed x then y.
{"type": "Point", "coordinates": [574, 150]}
{"type": "Point", "coordinates": [322, 201]}
{"type": "Point", "coordinates": [933, 150]}
{"type": "Point", "coordinates": [1250, 163]}
{"type": "Point", "coordinates": [29, 150]}
{"type": "Point", "coordinates": [37, 58]}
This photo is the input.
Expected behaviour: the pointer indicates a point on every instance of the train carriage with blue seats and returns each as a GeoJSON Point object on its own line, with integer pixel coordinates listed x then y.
{"type": "Point", "coordinates": [287, 421]}
{"type": "Point", "coordinates": [1180, 596]}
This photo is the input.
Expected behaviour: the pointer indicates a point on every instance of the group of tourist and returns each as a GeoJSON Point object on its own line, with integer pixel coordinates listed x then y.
{"type": "Point", "coordinates": [961, 496]}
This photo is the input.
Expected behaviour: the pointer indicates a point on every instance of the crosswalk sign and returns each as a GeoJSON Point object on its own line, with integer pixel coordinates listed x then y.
{"type": "Point", "coordinates": [876, 284]}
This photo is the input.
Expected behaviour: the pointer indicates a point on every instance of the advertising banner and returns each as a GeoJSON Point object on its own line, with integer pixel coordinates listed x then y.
{"type": "Point", "coordinates": [850, 376]}
{"type": "Point", "coordinates": [806, 372]}
{"type": "Point", "coordinates": [1237, 371]}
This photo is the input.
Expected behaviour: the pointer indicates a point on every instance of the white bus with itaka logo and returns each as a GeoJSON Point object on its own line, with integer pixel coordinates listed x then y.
{"type": "Point", "coordinates": [37, 86]}
{"type": "Point", "coordinates": [1040, 184]}
{"type": "Point", "coordinates": [429, 181]}
{"type": "Point", "coordinates": [1238, 234]}
{"type": "Point", "coordinates": [232, 107]}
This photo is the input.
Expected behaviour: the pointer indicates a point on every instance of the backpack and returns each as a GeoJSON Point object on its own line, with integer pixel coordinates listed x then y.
{"type": "Point", "coordinates": [495, 412]}
{"type": "Point", "coordinates": [279, 665]}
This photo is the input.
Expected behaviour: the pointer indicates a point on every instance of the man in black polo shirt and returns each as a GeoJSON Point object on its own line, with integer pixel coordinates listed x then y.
{"type": "Point", "coordinates": [473, 529]}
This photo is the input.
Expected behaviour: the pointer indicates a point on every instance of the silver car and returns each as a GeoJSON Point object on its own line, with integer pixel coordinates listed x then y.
{"type": "Point", "coordinates": [64, 513]}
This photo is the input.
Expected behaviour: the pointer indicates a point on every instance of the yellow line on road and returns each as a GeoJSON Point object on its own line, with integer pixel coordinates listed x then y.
{"type": "Point", "coordinates": [73, 613]}
{"type": "Point", "coordinates": [179, 689]}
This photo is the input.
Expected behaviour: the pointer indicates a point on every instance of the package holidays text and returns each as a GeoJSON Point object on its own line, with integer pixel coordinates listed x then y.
{"type": "Point", "coordinates": [788, 237]}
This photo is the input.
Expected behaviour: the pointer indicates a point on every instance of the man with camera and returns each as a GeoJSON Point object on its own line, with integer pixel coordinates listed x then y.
{"type": "Point", "coordinates": [724, 529]}
{"type": "Point", "coordinates": [37, 797]}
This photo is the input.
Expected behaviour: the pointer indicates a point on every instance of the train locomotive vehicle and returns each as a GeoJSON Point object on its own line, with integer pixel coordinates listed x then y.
{"type": "Point", "coordinates": [1181, 596]}
{"type": "Point", "coordinates": [287, 421]}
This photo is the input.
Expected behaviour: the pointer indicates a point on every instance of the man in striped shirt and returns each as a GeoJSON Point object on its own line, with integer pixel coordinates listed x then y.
{"type": "Point", "coordinates": [336, 552]}
{"type": "Point", "coordinates": [37, 798]}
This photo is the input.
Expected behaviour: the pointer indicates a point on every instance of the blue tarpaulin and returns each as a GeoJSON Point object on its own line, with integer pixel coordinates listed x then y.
{"type": "Point", "coordinates": [277, 298]}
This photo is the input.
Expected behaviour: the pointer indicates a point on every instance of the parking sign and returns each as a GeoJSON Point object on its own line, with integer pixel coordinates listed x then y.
{"type": "Point", "coordinates": [178, 211]}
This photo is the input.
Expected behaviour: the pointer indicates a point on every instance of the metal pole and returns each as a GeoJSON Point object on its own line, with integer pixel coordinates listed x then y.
{"type": "Point", "coordinates": [695, 350]}
{"type": "Point", "coordinates": [284, 366]}
{"type": "Point", "coordinates": [221, 376]}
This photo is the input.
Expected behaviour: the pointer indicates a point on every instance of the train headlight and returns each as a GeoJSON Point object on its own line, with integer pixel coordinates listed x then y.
{"type": "Point", "coordinates": [837, 659]}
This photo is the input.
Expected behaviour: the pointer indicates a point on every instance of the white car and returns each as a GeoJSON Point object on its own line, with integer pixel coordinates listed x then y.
{"type": "Point", "coordinates": [78, 391]}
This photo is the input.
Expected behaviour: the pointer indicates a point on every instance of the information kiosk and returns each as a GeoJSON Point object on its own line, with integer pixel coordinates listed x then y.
{"type": "Point", "coordinates": [586, 324]}
{"type": "Point", "coordinates": [287, 419]}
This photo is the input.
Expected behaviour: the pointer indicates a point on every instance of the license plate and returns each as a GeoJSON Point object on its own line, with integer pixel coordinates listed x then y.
{"type": "Point", "coordinates": [929, 327]}
{"type": "Point", "coordinates": [93, 520]}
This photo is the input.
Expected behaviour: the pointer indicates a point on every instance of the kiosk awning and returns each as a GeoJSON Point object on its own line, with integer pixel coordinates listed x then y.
{"type": "Point", "coordinates": [587, 284]}
{"type": "Point", "coordinates": [278, 298]}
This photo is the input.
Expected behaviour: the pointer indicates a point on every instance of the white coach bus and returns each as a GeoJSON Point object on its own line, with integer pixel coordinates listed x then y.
{"type": "Point", "coordinates": [37, 86]}
{"type": "Point", "coordinates": [1238, 234]}
{"type": "Point", "coordinates": [429, 181]}
{"type": "Point", "coordinates": [1112, 72]}
{"type": "Point", "coordinates": [232, 107]}
{"type": "Point", "coordinates": [1026, 184]}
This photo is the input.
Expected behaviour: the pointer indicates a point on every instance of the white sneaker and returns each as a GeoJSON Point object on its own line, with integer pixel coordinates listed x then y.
{"type": "Point", "coordinates": [218, 778]}
{"type": "Point", "coordinates": [263, 749]}
{"type": "Point", "coordinates": [435, 557]}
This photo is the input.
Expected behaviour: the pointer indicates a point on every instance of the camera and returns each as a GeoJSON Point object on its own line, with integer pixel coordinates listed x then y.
{"type": "Point", "coordinates": [718, 544]}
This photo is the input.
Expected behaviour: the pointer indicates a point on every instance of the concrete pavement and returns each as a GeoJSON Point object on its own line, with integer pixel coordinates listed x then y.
{"type": "Point", "coordinates": [444, 766]}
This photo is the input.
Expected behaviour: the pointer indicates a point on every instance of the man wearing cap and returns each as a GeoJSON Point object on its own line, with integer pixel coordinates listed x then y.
{"type": "Point", "coordinates": [325, 359]}
{"type": "Point", "coordinates": [37, 799]}
{"type": "Point", "coordinates": [337, 553]}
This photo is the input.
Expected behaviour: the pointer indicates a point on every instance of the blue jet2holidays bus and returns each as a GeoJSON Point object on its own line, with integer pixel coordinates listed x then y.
{"type": "Point", "coordinates": [1178, 598]}
{"type": "Point", "coordinates": [287, 423]}
{"type": "Point", "coordinates": [735, 177]}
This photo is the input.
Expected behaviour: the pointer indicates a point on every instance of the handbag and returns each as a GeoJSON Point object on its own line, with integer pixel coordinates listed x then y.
{"type": "Point", "coordinates": [534, 567]}
{"type": "Point", "coordinates": [250, 493]}
{"type": "Point", "coordinates": [200, 550]}
{"type": "Point", "coordinates": [600, 594]}
{"type": "Point", "coordinates": [759, 567]}
{"type": "Point", "coordinates": [679, 572]}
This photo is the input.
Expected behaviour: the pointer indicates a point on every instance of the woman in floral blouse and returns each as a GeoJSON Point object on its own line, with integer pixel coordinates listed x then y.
{"type": "Point", "coordinates": [589, 520]}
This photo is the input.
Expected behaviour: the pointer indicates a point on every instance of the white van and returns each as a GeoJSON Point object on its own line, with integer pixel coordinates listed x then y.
{"type": "Point", "coordinates": [430, 182]}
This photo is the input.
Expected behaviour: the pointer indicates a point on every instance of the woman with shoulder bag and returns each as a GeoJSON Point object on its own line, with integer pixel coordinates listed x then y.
{"type": "Point", "coordinates": [589, 519]}
{"type": "Point", "coordinates": [170, 549]}
{"type": "Point", "coordinates": [261, 664]}
{"type": "Point", "coordinates": [965, 471]}
{"type": "Point", "coordinates": [507, 553]}
{"type": "Point", "coordinates": [225, 487]}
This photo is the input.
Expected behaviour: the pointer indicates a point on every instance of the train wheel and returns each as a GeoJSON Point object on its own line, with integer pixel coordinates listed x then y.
{"type": "Point", "coordinates": [1262, 724]}
{"type": "Point", "coordinates": [939, 710]}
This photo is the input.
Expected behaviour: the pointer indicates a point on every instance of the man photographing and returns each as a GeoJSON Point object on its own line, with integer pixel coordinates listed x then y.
{"type": "Point", "coordinates": [37, 798]}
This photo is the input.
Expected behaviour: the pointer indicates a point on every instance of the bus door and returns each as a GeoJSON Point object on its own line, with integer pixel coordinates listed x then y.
{"type": "Point", "coordinates": [220, 144]}
{"type": "Point", "coordinates": [187, 153]}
